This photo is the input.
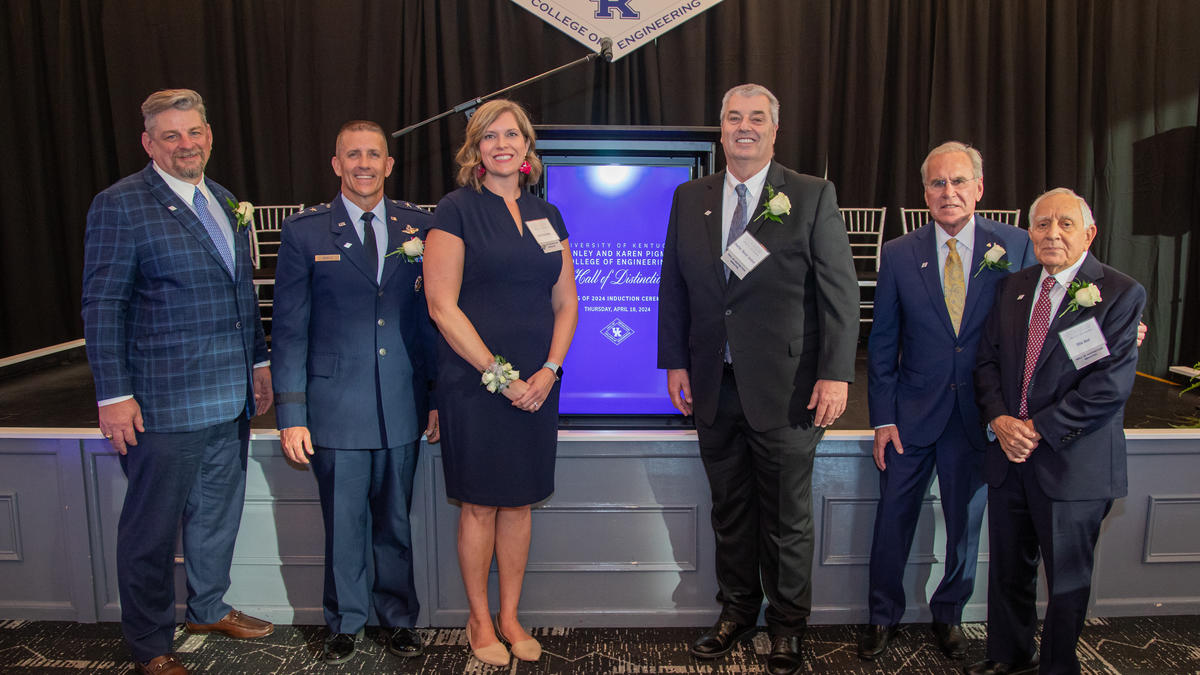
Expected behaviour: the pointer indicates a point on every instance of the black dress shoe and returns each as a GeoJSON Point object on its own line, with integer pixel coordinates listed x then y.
{"type": "Point", "coordinates": [720, 639]}
{"type": "Point", "coordinates": [338, 648]}
{"type": "Point", "coordinates": [785, 658]}
{"type": "Point", "coordinates": [950, 639]}
{"type": "Point", "coordinates": [990, 667]}
{"type": "Point", "coordinates": [405, 642]}
{"type": "Point", "coordinates": [874, 640]}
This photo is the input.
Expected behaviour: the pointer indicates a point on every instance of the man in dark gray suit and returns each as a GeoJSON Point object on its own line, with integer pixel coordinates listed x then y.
{"type": "Point", "coordinates": [758, 325]}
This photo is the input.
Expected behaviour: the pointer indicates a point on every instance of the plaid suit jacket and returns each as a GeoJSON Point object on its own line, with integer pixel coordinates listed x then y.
{"type": "Point", "coordinates": [163, 319]}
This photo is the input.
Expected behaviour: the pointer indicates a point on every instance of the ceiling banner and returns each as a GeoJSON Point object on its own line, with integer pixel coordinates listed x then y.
{"type": "Point", "coordinates": [628, 23]}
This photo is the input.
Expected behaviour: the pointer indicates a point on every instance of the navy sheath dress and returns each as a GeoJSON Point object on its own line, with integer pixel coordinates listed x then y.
{"type": "Point", "coordinates": [493, 453]}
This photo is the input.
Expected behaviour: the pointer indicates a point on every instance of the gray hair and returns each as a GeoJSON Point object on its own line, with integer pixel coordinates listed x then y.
{"type": "Point", "coordinates": [166, 99]}
{"type": "Point", "coordinates": [955, 146]}
{"type": "Point", "coordinates": [1088, 219]}
{"type": "Point", "coordinates": [749, 91]}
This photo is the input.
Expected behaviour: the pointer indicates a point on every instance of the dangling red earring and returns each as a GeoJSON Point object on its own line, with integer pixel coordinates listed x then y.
{"type": "Point", "coordinates": [525, 168]}
{"type": "Point", "coordinates": [480, 171]}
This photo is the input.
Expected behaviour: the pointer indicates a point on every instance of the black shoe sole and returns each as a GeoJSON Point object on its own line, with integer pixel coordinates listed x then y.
{"type": "Point", "coordinates": [734, 641]}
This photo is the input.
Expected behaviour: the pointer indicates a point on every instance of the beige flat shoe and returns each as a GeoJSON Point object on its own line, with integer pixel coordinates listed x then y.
{"type": "Point", "coordinates": [493, 655]}
{"type": "Point", "coordinates": [524, 650]}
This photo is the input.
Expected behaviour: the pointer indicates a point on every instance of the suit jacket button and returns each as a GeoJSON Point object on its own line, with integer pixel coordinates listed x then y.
{"type": "Point", "coordinates": [953, 386]}
{"type": "Point", "coordinates": [958, 349]}
{"type": "Point", "coordinates": [381, 294]}
{"type": "Point", "coordinates": [728, 312]}
{"type": "Point", "coordinates": [383, 351]}
{"type": "Point", "coordinates": [237, 325]}
{"type": "Point", "coordinates": [380, 322]}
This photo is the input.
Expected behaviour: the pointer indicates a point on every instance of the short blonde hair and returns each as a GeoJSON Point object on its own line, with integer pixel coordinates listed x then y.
{"type": "Point", "coordinates": [468, 157]}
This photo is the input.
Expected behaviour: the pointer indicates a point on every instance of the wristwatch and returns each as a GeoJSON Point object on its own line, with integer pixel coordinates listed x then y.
{"type": "Point", "coordinates": [554, 368]}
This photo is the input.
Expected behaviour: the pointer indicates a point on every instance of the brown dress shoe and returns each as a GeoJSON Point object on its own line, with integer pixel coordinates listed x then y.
{"type": "Point", "coordinates": [166, 664]}
{"type": "Point", "coordinates": [235, 625]}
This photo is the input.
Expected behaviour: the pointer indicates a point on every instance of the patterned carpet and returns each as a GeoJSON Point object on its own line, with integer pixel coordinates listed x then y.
{"type": "Point", "coordinates": [1150, 645]}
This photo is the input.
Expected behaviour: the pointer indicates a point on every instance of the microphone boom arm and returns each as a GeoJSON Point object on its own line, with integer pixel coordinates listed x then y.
{"type": "Point", "coordinates": [472, 103]}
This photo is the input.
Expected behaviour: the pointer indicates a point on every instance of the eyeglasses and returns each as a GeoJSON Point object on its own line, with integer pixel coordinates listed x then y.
{"type": "Point", "coordinates": [940, 183]}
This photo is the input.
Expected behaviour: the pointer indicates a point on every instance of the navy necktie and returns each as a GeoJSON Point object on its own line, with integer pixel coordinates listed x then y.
{"type": "Point", "coordinates": [370, 249]}
{"type": "Point", "coordinates": [214, 230]}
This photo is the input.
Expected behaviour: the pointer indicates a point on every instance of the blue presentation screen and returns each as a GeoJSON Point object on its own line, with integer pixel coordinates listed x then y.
{"type": "Point", "coordinates": [617, 219]}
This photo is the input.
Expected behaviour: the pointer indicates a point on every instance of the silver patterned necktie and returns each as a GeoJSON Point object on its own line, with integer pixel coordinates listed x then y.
{"type": "Point", "coordinates": [741, 218]}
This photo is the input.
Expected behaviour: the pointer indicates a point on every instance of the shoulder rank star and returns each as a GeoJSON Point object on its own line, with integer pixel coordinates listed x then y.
{"type": "Point", "coordinates": [409, 229]}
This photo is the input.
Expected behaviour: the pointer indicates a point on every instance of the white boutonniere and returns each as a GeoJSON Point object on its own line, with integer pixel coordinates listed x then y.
{"type": "Point", "coordinates": [243, 211]}
{"type": "Point", "coordinates": [1082, 294]}
{"type": "Point", "coordinates": [775, 205]}
{"type": "Point", "coordinates": [412, 250]}
{"type": "Point", "coordinates": [993, 260]}
{"type": "Point", "coordinates": [499, 375]}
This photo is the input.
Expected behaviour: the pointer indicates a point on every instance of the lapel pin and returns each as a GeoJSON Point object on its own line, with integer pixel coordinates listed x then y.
{"type": "Point", "coordinates": [392, 218]}
{"type": "Point", "coordinates": [708, 213]}
{"type": "Point", "coordinates": [408, 229]}
{"type": "Point", "coordinates": [346, 245]}
{"type": "Point", "coordinates": [418, 283]}
{"type": "Point", "coordinates": [342, 224]}
{"type": "Point", "coordinates": [924, 264]}
{"type": "Point", "coordinates": [1021, 296]}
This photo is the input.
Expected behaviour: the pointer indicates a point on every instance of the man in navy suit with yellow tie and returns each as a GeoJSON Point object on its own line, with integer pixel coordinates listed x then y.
{"type": "Point", "coordinates": [1055, 366]}
{"type": "Point", "coordinates": [932, 298]}
{"type": "Point", "coordinates": [179, 359]}
{"type": "Point", "coordinates": [354, 362]}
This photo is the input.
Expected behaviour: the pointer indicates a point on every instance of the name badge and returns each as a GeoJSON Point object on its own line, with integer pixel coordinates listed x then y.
{"type": "Point", "coordinates": [1084, 342]}
{"type": "Point", "coordinates": [544, 233]}
{"type": "Point", "coordinates": [330, 257]}
{"type": "Point", "coordinates": [744, 254]}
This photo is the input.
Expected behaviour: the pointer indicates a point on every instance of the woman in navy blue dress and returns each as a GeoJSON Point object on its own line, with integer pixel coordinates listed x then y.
{"type": "Point", "coordinates": [501, 289]}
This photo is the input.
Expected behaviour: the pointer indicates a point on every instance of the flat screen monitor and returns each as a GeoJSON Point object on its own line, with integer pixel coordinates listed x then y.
{"type": "Point", "coordinates": [616, 212]}
{"type": "Point", "coordinates": [614, 187]}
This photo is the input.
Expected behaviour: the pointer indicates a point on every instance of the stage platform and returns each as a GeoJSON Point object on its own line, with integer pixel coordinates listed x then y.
{"type": "Point", "coordinates": [624, 541]}
{"type": "Point", "coordinates": [56, 391]}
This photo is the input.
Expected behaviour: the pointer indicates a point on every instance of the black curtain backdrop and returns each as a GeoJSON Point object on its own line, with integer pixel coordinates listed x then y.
{"type": "Point", "coordinates": [1053, 92]}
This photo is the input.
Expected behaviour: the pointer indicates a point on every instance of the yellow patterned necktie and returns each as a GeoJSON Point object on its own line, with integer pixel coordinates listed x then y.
{"type": "Point", "coordinates": [952, 284]}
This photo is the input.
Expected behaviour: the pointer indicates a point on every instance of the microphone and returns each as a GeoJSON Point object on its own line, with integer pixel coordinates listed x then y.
{"type": "Point", "coordinates": [606, 49]}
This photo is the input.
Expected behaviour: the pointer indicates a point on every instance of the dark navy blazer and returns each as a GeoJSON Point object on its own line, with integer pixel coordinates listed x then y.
{"type": "Point", "coordinates": [917, 366]}
{"type": "Point", "coordinates": [1080, 413]}
{"type": "Point", "coordinates": [163, 319]}
{"type": "Point", "coordinates": [333, 325]}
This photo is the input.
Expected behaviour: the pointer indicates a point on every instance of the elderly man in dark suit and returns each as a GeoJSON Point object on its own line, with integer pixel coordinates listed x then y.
{"type": "Point", "coordinates": [180, 363]}
{"type": "Point", "coordinates": [1055, 366]}
{"type": "Point", "coordinates": [353, 351]}
{"type": "Point", "coordinates": [758, 324]}
{"type": "Point", "coordinates": [935, 289]}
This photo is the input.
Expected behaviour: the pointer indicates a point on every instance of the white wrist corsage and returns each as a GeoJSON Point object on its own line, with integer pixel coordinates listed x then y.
{"type": "Point", "coordinates": [499, 375]}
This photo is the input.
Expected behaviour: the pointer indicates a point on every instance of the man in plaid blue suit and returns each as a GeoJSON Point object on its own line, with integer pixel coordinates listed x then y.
{"type": "Point", "coordinates": [179, 357]}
